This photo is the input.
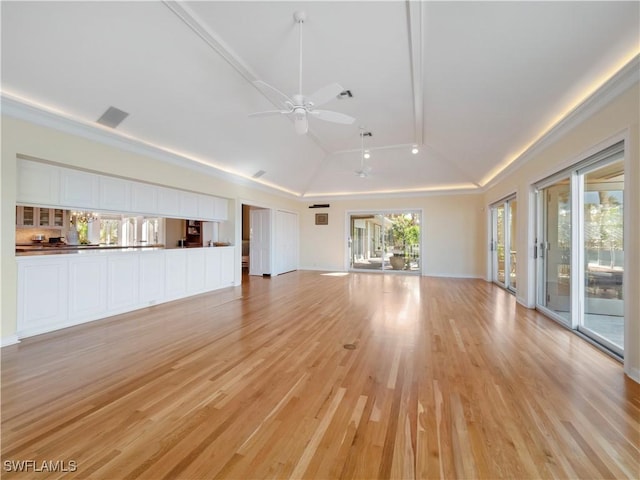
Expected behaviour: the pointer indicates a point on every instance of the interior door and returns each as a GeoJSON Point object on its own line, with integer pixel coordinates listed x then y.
{"type": "Point", "coordinates": [260, 242]}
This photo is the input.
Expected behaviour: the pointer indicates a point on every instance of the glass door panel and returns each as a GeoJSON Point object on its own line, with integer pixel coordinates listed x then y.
{"type": "Point", "coordinates": [500, 236]}
{"type": "Point", "coordinates": [503, 239]}
{"type": "Point", "coordinates": [385, 241]}
{"type": "Point", "coordinates": [602, 232]}
{"type": "Point", "coordinates": [513, 206]}
{"type": "Point", "coordinates": [554, 250]}
{"type": "Point", "coordinates": [367, 242]}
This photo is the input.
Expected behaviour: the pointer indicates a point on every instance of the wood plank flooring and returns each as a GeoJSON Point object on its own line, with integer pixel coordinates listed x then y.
{"type": "Point", "coordinates": [449, 378]}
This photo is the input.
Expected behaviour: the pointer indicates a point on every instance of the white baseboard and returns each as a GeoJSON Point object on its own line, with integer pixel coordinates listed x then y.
{"type": "Point", "coordinates": [11, 340]}
{"type": "Point", "coordinates": [452, 275]}
{"type": "Point", "coordinates": [633, 374]}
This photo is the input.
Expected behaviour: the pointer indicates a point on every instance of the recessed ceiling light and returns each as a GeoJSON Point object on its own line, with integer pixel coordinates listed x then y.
{"type": "Point", "coordinates": [415, 150]}
{"type": "Point", "coordinates": [367, 154]}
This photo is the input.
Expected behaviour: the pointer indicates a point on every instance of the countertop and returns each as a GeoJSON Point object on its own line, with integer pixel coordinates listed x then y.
{"type": "Point", "coordinates": [31, 249]}
{"type": "Point", "coordinates": [27, 249]}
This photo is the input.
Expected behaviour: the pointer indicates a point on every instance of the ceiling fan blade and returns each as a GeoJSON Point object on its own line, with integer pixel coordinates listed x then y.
{"type": "Point", "coordinates": [325, 94]}
{"type": "Point", "coordinates": [273, 94]}
{"type": "Point", "coordinates": [335, 117]}
{"type": "Point", "coordinates": [268, 113]}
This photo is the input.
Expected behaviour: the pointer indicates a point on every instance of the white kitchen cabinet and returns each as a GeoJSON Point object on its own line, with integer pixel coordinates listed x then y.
{"type": "Point", "coordinates": [168, 202]}
{"type": "Point", "coordinates": [206, 207]}
{"type": "Point", "coordinates": [189, 205]}
{"type": "Point", "coordinates": [87, 287]}
{"type": "Point", "coordinates": [144, 198]}
{"type": "Point", "coordinates": [221, 209]}
{"type": "Point", "coordinates": [151, 277]}
{"type": "Point", "coordinates": [40, 217]}
{"type": "Point", "coordinates": [42, 295]}
{"type": "Point", "coordinates": [115, 194]}
{"type": "Point", "coordinates": [122, 281]}
{"type": "Point", "coordinates": [195, 270]}
{"type": "Point", "coordinates": [175, 273]}
{"type": "Point", "coordinates": [38, 183]}
{"type": "Point", "coordinates": [213, 268]}
{"type": "Point", "coordinates": [227, 262]}
{"type": "Point", "coordinates": [79, 189]}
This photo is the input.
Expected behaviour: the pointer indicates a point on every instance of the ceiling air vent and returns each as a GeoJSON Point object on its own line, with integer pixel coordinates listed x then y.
{"type": "Point", "coordinates": [345, 94]}
{"type": "Point", "coordinates": [112, 117]}
{"type": "Point", "coordinates": [258, 174]}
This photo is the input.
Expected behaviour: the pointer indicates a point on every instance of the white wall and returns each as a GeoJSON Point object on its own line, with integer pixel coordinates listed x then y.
{"type": "Point", "coordinates": [453, 232]}
{"type": "Point", "coordinates": [619, 116]}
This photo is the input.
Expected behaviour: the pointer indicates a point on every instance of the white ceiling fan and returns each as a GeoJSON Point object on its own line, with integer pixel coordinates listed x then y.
{"type": "Point", "coordinates": [364, 171]}
{"type": "Point", "coordinates": [300, 107]}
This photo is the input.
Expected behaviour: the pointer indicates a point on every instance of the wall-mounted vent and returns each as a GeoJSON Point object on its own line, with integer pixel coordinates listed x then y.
{"type": "Point", "coordinates": [319, 205]}
{"type": "Point", "coordinates": [258, 174]}
{"type": "Point", "coordinates": [112, 117]}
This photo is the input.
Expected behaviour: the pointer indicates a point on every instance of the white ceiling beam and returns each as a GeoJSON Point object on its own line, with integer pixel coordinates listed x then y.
{"type": "Point", "coordinates": [416, 42]}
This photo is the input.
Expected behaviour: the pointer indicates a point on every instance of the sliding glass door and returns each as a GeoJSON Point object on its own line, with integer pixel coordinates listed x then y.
{"type": "Point", "coordinates": [580, 248]}
{"type": "Point", "coordinates": [554, 250]}
{"type": "Point", "coordinates": [503, 248]}
{"type": "Point", "coordinates": [602, 238]}
{"type": "Point", "coordinates": [382, 241]}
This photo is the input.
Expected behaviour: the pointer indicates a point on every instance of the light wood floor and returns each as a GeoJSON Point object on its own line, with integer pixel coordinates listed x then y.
{"type": "Point", "coordinates": [449, 379]}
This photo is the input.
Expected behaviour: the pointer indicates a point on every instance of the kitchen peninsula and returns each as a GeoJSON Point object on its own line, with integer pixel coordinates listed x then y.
{"type": "Point", "coordinates": [125, 263]}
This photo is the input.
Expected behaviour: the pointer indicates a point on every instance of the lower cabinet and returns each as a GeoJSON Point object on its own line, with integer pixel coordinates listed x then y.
{"type": "Point", "coordinates": [57, 291]}
{"type": "Point", "coordinates": [87, 287]}
{"type": "Point", "coordinates": [122, 282]}
{"type": "Point", "coordinates": [175, 273]}
{"type": "Point", "coordinates": [151, 277]}
{"type": "Point", "coordinates": [42, 294]}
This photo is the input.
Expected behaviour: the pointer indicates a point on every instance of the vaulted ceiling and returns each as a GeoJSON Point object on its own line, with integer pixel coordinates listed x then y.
{"type": "Point", "coordinates": [472, 84]}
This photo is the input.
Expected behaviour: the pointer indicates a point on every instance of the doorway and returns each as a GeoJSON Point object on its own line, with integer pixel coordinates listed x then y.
{"type": "Point", "coordinates": [385, 241]}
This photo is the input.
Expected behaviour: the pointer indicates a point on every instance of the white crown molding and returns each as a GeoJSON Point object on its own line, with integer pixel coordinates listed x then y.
{"type": "Point", "coordinates": [15, 108]}
{"type": "Point", "coordinates": [625, 78]}
{"type": "Point", "coordinates": [383, 195]}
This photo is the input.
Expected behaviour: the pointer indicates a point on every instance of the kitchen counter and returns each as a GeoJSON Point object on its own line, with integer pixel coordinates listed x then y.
{"type": "Point", "coordinates": [57, 249]}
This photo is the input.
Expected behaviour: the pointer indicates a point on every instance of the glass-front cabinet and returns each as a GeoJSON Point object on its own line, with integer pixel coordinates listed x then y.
{"type": "Point", "coordinates": [27, 216]}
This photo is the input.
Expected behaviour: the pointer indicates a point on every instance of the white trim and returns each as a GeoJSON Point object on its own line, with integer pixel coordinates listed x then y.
{"type": "Point", "coordinates": [633, 373]}
{"type": "Point", "coordinates": [458, 275]}
{"type": "Point", "coordinates": [10, 340]}
{"type": "Point", "coordinates": [626, 77]}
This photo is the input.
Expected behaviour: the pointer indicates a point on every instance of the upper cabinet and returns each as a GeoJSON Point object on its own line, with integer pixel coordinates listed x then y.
{"type": "Point", "coordinates": [169, 202]}
{"type": "Point", "coordinates": [38, 183]}
{"type": "Point", "coordinates": [189, 205]}
{"type": "Point", "coordinates": [144, 198]}
{"type": "Point", "coordinates": [79, 189]}
{"type": "Point", "coordinates": [47, 185]}
{"type": "Point", "coordinates": [115, 194]}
